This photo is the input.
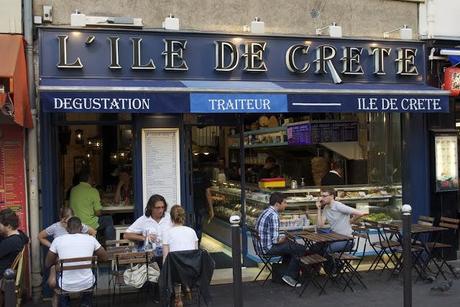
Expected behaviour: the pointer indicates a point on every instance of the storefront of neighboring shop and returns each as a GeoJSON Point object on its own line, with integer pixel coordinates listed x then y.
{"type": "Point", "coordinates": [162, 104]}
{"type": "Point", "coordinates": [15, 118]}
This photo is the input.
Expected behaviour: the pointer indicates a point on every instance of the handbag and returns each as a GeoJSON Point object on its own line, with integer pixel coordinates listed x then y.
{"type": "Point", "coordinates": [137, 275]}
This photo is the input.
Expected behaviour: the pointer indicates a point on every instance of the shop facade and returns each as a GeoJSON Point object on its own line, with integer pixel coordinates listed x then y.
{"type": "Point", "coordinates": [149, 94]}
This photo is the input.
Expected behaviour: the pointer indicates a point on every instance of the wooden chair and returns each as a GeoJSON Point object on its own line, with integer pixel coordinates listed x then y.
{"type": "Point", "coordinates": [125, 260]}
{"type": "Point", "coordinates": [425, 220]}
{"type": "Point", "coordinates": [311, 265]}
{"type": "Point", "coordinates": [72, 264]}
{"type": "Point", "coordinates": [18, 267]}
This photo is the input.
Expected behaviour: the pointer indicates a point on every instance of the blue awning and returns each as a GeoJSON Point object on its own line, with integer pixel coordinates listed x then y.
{"type": "Point", "coordinates": [152, 96]}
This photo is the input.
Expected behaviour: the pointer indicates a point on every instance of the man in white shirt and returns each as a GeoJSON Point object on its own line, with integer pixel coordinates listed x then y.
{"type": "Point", "coordinates": [153, 224]}
{"type": "Point", "coordinates": [73, 245]}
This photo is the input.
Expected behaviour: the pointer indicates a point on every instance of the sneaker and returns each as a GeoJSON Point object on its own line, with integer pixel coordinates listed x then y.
{"type": "Point", "coordinates": [290, 281]}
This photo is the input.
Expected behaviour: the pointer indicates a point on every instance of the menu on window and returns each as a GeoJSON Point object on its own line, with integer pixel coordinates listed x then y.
{"type": "Point", "coordinates": [305, 133]}
{"type": "Point", "coordinates": [12, 177]}
{"type": "Point", "coordinates": [446, 162]}
{"type": "Point", "coordinates": [161, 164]}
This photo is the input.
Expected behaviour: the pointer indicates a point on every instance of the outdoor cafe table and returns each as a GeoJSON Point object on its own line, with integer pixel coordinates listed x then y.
{"type": "Point", "coordinates": [417, 230]}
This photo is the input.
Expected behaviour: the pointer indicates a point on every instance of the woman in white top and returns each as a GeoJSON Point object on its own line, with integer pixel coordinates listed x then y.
{"type": "Point", "coordinates": [179, 237]}
{"type": "Point", "coordinates": [153, 224]}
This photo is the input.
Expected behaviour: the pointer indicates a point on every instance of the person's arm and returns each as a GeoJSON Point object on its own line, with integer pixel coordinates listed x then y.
{"type": "Point", "coordinates": [51, 259]}
{"type": "Point", "coordinates": [355, 214]}
{"type": "Point", "coordinates": [97, 202]}
{"type": "Point", "coordinates": [166, 251]}
{"type": "Point", "coordinates": [210, 204]}
{"type": "Point", "coordinates": [101, 254]}
{"type": "Point", "coordinates": [133, 236]}
{"type": "Point", "coordinates": [92, 231]}
{"type": "Point", "coordinates": [320, 219]}
{"type": "Point", "coordinates": [43, 238]}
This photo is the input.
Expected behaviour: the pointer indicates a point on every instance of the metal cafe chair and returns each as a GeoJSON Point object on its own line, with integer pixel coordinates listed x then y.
{"type": "Point", "coordinates": [72, 264]}
{"type": "Point", "coordinates": [266, 259]}
{"type": "Point", "coordinates": [453, 225]}
{"type": "Point", "coordinates": [384, 246]}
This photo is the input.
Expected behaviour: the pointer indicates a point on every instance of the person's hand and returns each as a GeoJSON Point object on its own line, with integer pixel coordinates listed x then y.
{"type": "Point", "coordinates": [318, 204]}
{"type": "Point", "coordinates": [282, 239]}
{"type": "Point", "coordinates": [151, 237]}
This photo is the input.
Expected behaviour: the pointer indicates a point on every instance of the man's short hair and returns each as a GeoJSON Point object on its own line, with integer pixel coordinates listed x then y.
{"type": "Point", "coordinates": [84, 175]}
{"type": "Point", "coordinates": [329, 190]}
{"type": "Point", "coordinates": [9, 218]}
{"type": "Point", "coordinates": [74, 225]}
{"type": "Point", "coordinates": [270, 159]}
{"type": "Point", "coordinates": [276, 197]}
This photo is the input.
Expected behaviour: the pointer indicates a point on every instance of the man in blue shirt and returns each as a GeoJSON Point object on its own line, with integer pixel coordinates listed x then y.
{"type": "Point", "coordinates": [267, 226]}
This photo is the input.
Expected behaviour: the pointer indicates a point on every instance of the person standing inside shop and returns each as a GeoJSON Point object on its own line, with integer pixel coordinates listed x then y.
{"type": "Point", "coordinates": [202, 199]}
{"type": "Point", "coordinates": [267, 226]}
{"type": "Point", "coordinates": [270, 169]}
{"type": "Point", "coordinates": [123, 190]}
{"type": "Point", "coordinates": [334, 176]}
{"type": "Point", "coordinates": [85, 201]}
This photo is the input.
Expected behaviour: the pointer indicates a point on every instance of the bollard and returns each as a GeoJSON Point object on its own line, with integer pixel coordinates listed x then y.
{"type": "Point", "coordinates": [236, 257]}
{"type": "Point", "coordinates": [407, 256]}
{"type": "Point", "coordinates": [9, 287]}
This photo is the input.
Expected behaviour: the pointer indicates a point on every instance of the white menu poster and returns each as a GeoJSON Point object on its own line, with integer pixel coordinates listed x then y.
{"type": "Point", "coordinates": [161, 164]}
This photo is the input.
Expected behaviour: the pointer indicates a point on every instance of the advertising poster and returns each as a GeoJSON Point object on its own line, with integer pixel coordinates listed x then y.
{"type": "Point", "coordinates": [446, 163]}
{"type": "Point", "coordinates": [12, 176]}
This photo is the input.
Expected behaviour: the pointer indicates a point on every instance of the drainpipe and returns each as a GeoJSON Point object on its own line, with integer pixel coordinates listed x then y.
{"type": "Point", "coordinates": [32, 157]}
{"type": "Point", "coordinates": [430, 18]}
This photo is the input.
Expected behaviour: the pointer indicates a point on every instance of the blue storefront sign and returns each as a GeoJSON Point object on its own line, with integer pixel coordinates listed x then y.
{"type": "Point", "coordinates": [104, 70]}
{"type": "Point", "coordinates": [238, 103]}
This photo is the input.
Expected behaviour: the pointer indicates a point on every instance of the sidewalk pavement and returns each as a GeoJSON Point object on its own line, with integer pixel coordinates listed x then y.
{"type": "Point", "coordinates": [382, 291]}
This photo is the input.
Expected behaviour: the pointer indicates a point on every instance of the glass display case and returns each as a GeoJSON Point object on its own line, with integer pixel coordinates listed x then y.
{"type": "Point", "coordinates": [381, 202]}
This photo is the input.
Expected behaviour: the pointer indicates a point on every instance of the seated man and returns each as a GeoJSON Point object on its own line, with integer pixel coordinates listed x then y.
{"type": "Point", "coordinates": [339, 216]}
{"type": "Point", "coordinates": [85, 202]}
{"type": "Point", "coordinates": [267, 226]}
{"type": "Point", "coordinates": [74, 245]}
{"type": "Point", "coordinates": [12, 241]}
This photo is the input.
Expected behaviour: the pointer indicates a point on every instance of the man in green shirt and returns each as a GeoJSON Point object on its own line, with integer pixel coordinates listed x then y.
{"type": "Point", "coordinates": [86, 204]}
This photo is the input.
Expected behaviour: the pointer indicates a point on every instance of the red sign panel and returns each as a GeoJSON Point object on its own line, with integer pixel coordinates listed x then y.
{"type": "Point", "coordinates": [452, 80]}
{"type": "Point", "coordinates": [12, 172]}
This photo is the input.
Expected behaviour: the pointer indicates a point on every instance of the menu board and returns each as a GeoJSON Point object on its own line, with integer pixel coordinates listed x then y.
{"type": "Point", "coordinates": [324, 132]}
{"type": "Point", "coordinates": [161, 164]}
{"type": "Point", "coordinates": [305, 133]}
{"type": "Point", "coordinates": [12, 177]}
{"type": "Point", "coordinates": [446, 162]}
{"type": "Point", "coordinates": [299, 133]}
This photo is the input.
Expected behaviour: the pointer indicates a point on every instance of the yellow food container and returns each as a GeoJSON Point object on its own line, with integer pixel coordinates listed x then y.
{"type": "Point", "coordinates": [272, 183]}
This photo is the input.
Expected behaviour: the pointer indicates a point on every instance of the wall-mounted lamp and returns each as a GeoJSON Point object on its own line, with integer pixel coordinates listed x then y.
{"type": "Point", "coordinates": [333, 30]}
{"type": "Point", "coordinates": [257, 26]}
{"type": "Point", "coordinates": [78, 136]}
{"type": "Point", "coordinates": [404, 32]}
{"type": "Point", "coordinates": [171, 23]}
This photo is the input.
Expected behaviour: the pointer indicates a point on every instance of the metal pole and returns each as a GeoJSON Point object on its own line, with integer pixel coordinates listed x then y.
{"type": "Point", "coordinates": [33, 204]}
{"type": "Point", "coordinates": [236, 257]}
{"type": "Point", "coordinates": [9, 287]}
{"type": "Point", "coordinates": [407, 256]}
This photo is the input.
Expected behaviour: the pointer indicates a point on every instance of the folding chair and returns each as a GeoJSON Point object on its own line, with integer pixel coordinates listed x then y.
{"type": "Point", "coordinates": [348, 262]}
{"type": "Point", "coordinates": [72, 264]}
{"type": "Point", "coordinates": [18, 267]}
{"type": "Point", "coordinates": [114, 247]}
{"type": "Point", "coordinates": [425, 220]}
{"type": "Point", "coordinates": [384, 246]}
{"type": "Point", "coordinates": [125, 260]}
{"type": "Point", "coordinates": [265, 258]}
{"type": "Point", "coordinates": [453, 225]}
{"type": "Point", "coordinates": [310, 264]}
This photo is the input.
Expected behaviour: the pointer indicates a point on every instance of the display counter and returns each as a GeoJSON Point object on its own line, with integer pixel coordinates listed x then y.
{"type": "Point", "coordinates": [381, 201]}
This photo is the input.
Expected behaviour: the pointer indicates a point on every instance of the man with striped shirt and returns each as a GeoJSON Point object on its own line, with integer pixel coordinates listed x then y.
{"type": "Point", "coordinates": [267, 226]}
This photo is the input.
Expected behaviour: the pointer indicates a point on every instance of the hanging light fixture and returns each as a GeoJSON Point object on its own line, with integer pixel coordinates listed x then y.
{"type": "Point", "coordinates": [78, 136]}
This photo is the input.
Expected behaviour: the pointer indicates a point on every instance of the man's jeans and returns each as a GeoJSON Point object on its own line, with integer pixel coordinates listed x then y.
{"type": "Point", "coordinates": [86, 300]}
{"type": "Point", "coordinates": [106, 227]}
{"type": "Point", "coordinates": [291, 253]}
